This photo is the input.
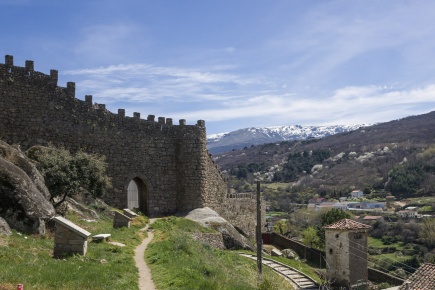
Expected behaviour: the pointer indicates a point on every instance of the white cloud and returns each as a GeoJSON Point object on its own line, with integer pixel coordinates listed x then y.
{"type": "Point", "coordinates": [221, 95]}
{"type": "Point", "coordinates": [345, 106]}
{"type": "Point", "coordinates": [145, 83]}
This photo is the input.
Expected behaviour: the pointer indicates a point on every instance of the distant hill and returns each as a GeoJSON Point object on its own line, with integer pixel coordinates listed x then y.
{"type": "Point", "coordinates": [396, 156]}
{"type": "Point", "coordinates": [224, 142]}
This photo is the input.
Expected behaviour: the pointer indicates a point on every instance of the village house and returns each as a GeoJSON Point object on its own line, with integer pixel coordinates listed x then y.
{"type": "Point", "coordinates": [328, 204]}
{"type": "Point", "coordinates": [407, 213]}
{"type": "Point", "coordinates": [371, 219]}
{"type": "Point", "coordinates": [356, 194]}
{"type": "Point", "coordinates": [366, 205]}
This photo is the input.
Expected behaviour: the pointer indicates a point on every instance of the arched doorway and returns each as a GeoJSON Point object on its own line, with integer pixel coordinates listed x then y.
{"type": "Point", "coordinates": [137, 195]}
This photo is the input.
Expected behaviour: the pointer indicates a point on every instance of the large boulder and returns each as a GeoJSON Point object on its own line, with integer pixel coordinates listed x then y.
{"type": "Point", "coordinates": [232, 239]}
{"type": "Point", "coordinates": [24, 203]}
{"type": "Point", "coordinates": [290, 254]}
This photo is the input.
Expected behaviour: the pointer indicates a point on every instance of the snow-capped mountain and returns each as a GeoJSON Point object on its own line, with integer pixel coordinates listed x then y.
{"type": "Point", "coordinates": [223, 142]}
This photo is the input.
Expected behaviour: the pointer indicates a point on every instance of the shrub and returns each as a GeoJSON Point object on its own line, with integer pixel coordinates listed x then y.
{"type": "Point", "coordinates": [67, 174]}
{"type": "Point", "coordinates": [388, 240]}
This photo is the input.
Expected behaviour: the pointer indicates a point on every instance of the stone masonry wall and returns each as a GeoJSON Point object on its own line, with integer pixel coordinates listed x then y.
{"type": "Point", "coordinates": [171, 160]}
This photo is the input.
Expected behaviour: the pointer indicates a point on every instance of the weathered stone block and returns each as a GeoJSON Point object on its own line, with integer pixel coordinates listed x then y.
{"type": "Point", "coordinates": [69, 238]}
{"type": "Point", "coordinates": [121, 220]}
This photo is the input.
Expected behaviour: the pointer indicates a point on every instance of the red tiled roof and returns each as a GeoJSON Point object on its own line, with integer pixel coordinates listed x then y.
{"type": "Point", "coordinates": [347, 224]}
{"type": "Point", "coordinates": [422, 279]}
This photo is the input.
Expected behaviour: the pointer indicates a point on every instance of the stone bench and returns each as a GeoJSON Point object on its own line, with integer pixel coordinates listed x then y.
{"type": "Point", "coordinates": [101, 237]}
{"type": "Point", "coordinates": [129, 213]}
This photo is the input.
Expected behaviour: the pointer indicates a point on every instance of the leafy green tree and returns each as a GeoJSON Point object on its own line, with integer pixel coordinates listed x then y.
{"type": "Point", "coordinates": [281, 227]}
{"type": "Point", "coordinates": [67, 174]}
{"type": "Point", "coordinates": [427, 232]}
{"type": "Point", "coordinates": [310, 238]}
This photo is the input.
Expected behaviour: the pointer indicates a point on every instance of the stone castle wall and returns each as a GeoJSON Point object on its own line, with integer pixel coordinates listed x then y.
{"type": "Point", "coordinates": [170, 161]}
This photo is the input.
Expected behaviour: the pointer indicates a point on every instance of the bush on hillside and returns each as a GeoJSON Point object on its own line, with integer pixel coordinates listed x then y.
{"type": "Point", "coordinates": [67, 174]}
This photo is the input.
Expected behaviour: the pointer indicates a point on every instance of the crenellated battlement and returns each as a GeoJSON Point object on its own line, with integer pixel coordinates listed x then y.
{"type": "Point", "coordinates": [10, 73]}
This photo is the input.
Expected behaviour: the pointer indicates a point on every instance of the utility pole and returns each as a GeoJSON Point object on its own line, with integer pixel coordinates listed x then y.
{"type": "Point", "coordinates": [258, 232]}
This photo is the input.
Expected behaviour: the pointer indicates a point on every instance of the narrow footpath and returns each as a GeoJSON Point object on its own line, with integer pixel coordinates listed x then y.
{"type": "Point", "coordinates": [145, 278]}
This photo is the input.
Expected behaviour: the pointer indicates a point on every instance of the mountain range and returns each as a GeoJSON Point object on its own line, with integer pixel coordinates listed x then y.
{"type": "Point", "coordinates": [224, 142]}
{"type": "Point", "coordinates": [396, 156]}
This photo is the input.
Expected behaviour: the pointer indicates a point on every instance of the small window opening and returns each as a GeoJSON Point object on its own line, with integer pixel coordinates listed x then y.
{"type": "Point", "coordinates": [357, 236]}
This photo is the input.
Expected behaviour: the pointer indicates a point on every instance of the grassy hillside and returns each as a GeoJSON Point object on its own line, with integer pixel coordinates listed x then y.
{"type": "Point", "coordinates": [28, 260]}
{"type": "Point", "coordinates": [176, 260]}
{"type": "Point", "coordinates": [179, 262]}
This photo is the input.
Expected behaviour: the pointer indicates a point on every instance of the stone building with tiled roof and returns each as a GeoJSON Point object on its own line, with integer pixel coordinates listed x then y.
{"type": "Point", "coordinates": [422, 279]}
{"type": "Point", "coordinates": [346, 253]}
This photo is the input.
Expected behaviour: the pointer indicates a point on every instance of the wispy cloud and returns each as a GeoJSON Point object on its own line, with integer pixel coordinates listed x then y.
{"type": "Point", "coordinates": [344, 106]}
{"type": "Point", "coordinates": [144, 83]}
{"type": "Point", "coordinates": [221, 94]}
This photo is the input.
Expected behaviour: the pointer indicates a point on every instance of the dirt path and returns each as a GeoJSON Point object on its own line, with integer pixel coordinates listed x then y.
{"type": "Point", "coordinates": [145, 278]}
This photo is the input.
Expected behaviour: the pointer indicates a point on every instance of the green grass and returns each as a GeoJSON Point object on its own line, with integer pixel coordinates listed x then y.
{"type": "Point", "coordinates": [377, 243]}
{"type": "Point", "coordinates": [28, 260]}
{"type": "Point", "coordinates": [385, 261]}
{"type": "Point", "coordinates": [179, 262]}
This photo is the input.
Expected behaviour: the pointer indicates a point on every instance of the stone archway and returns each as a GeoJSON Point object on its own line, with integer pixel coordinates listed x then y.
{"type": "Point", "coordinates": [137, 195]}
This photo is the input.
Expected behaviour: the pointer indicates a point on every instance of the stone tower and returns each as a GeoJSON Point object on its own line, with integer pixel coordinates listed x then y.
{"type": "Point", "coordinates": [346, 253]}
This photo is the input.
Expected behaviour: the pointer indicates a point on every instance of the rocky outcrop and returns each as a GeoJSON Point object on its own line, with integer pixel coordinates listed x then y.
{"type": "Point", "coordinates": [24, 203]}
{"type": "Point", "coordinates": [4, 227]}
{"type": "Point", "coordinates": [232, 239]}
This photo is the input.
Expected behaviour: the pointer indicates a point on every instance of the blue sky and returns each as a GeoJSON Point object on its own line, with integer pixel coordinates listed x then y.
{"type": "Point", "coordinates": [235, 63]}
